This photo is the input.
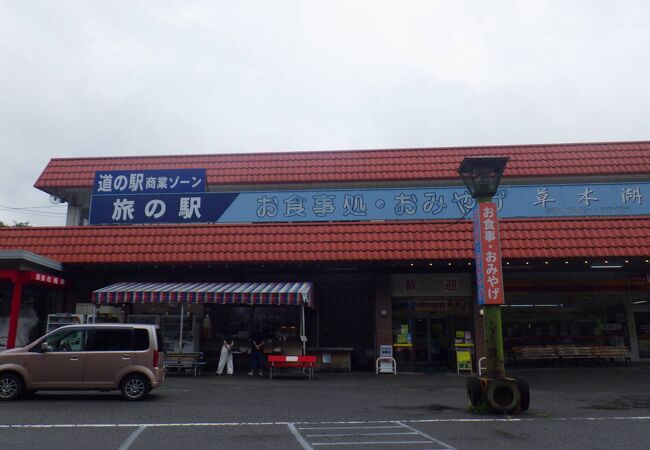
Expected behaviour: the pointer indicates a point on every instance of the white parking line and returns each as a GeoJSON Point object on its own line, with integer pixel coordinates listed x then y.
{"type": "Point", "coordinates": [335, 438]}
{"type": "Point", "coordinates": [352, 422]}
{"type": "Point", "coordinates": [350, 428]}
{"type": "Point", "coordinates": [341, 433]}
{"type": "Point", "coordinates": [132, 437]}
{"type": "Point", "coordinates": [447, 446]}
{"type": "Point", "coordinates": [360, 434]}
{"type": "Point", "coordinates": [299, 437]}
{"type": "Point", "coordinates": [384, 443]}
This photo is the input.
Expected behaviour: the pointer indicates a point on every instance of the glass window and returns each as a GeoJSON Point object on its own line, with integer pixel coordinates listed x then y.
{"type": "Point", "coordinates": [141, 339]}
{"type": "Point", "coordinates": [276, 320]}
{"type": "Point", "coordinates": [232, 320]}
{"type": "Point", "coordinates": [67, 341]}
{"type": "Point", "coordinates": [113, 340]}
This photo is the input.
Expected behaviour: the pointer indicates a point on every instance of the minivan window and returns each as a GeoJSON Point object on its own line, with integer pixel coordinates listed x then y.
{"type": "Point", "coordinates": [67, 341]}
{"type": "Point", "coordinates": [141, 339]}
{"type": "Point", "coordinates": [113, 340]}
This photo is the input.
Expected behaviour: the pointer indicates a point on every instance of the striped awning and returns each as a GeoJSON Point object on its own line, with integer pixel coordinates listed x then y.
{"type": "Point", "coordinates": [219, 293]}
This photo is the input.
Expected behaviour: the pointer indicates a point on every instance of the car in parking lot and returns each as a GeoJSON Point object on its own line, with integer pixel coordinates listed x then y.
{"type": "Point", "coordinates": [104, 357]}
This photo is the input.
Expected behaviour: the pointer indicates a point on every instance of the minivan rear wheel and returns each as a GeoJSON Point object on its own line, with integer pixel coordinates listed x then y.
{"type": "Point", "coordinates": [134, 387]}
{"type": "Point", "coordinates": [11, 386]}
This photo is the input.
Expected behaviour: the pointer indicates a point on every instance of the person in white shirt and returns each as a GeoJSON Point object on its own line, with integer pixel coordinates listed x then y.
{"type": "Point", "coordinates": [226, 355]}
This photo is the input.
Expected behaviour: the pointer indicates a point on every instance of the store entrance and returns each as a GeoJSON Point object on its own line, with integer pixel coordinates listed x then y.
{"type": "Point", "coordinates": [430, 343]}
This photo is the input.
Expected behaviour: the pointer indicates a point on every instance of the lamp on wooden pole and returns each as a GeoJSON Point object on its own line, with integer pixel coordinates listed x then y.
{"type": "Point", "coordinates": [499, 394]}
{"type": "Point", "coordinates": [482, 176]}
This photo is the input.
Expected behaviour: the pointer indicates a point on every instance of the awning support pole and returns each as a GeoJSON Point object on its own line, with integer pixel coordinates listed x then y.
{"type": "Point", "coordinates": [15, 311]}
{"type": "Point", "coordinates": [180, 335]}
{"type": "Point", "coordinates": [303, 338]}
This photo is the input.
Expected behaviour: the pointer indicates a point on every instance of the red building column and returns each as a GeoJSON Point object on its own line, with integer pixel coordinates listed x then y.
{"type": "Point", "coordinates": [15, 312]}
{"type": "Point", "coordinates": [17, 278]}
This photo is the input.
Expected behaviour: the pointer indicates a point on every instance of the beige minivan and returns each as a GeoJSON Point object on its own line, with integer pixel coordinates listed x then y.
{"type": "Point", "coordinates": [104, 357]}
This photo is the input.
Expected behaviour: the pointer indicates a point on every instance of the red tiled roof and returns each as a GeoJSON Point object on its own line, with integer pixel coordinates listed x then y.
{"type": "Point", "coordinates": [526, 161]}
{"type": "Point", "coordinates": [332, 242]}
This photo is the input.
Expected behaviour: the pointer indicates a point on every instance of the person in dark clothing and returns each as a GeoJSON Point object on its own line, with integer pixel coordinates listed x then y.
{"type": "Point", "coordinates": [257, 352]}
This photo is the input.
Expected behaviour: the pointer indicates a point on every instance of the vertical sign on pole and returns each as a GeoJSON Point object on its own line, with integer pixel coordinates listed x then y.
{"type": "Point", "coordinates": [487, 246]}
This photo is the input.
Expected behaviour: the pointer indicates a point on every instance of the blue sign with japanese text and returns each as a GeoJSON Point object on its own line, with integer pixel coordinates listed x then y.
{"type": "Point", "coordinates": [423, 203]}
{"type": "Point", "coordinates": [478, 256]}
{"type": "Point", "coordinates": [161, 208]}
{"type": "Point", "coordinates": [149, 181]}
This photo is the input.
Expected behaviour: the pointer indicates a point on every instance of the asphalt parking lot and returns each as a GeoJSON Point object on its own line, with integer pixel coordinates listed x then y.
{"type": "Point", "coordinates": [580, 407]}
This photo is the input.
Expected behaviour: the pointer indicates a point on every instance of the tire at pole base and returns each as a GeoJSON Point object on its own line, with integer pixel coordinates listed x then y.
{"type": "Point", "coordinates": [524, 391]}
{"type": "Point", "coordinates": [474, 392]}
{"type": "Point", "coordinates": [503, 396]}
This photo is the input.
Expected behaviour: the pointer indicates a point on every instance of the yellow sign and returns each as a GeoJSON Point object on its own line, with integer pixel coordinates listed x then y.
{"type": "Point", "coordinates": [464, 360]}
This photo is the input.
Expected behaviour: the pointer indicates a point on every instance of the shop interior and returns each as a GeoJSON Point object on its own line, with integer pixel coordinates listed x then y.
{"type": "Point", "coordinates": [279, 325]}
{"type": "Point", "coordinates": [586, 322]}
{"type": "Point", "coordinates": [206, 325]}
{"type": "Point", "coordinates": [427, 332]}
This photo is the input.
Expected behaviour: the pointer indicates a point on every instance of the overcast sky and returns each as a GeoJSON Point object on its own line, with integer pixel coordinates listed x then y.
{"type": "Point", "coordinates": [107, 78]}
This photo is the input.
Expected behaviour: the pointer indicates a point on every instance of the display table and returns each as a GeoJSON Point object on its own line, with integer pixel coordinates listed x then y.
{"type": "Point", "coordinates": [304, 362]}
{"type": "Point", "coordinates": [332, 358]}
{"type": "Point", "coordinates": [185, 362]}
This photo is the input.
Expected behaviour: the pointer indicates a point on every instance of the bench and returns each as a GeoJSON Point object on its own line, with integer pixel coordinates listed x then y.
{"type": "Point", "coordinates": [306, 363]}
{"type": "Point", "coordinates": [570, 352]}
{"type": "Point", "coordinates": [583, 352]}
{"type": "Point", "coordinates": [192, 362]}
{"type": "Point", "coordinates": [613, 353]}
{"type": "Point", "coordinates": [535, 353]}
